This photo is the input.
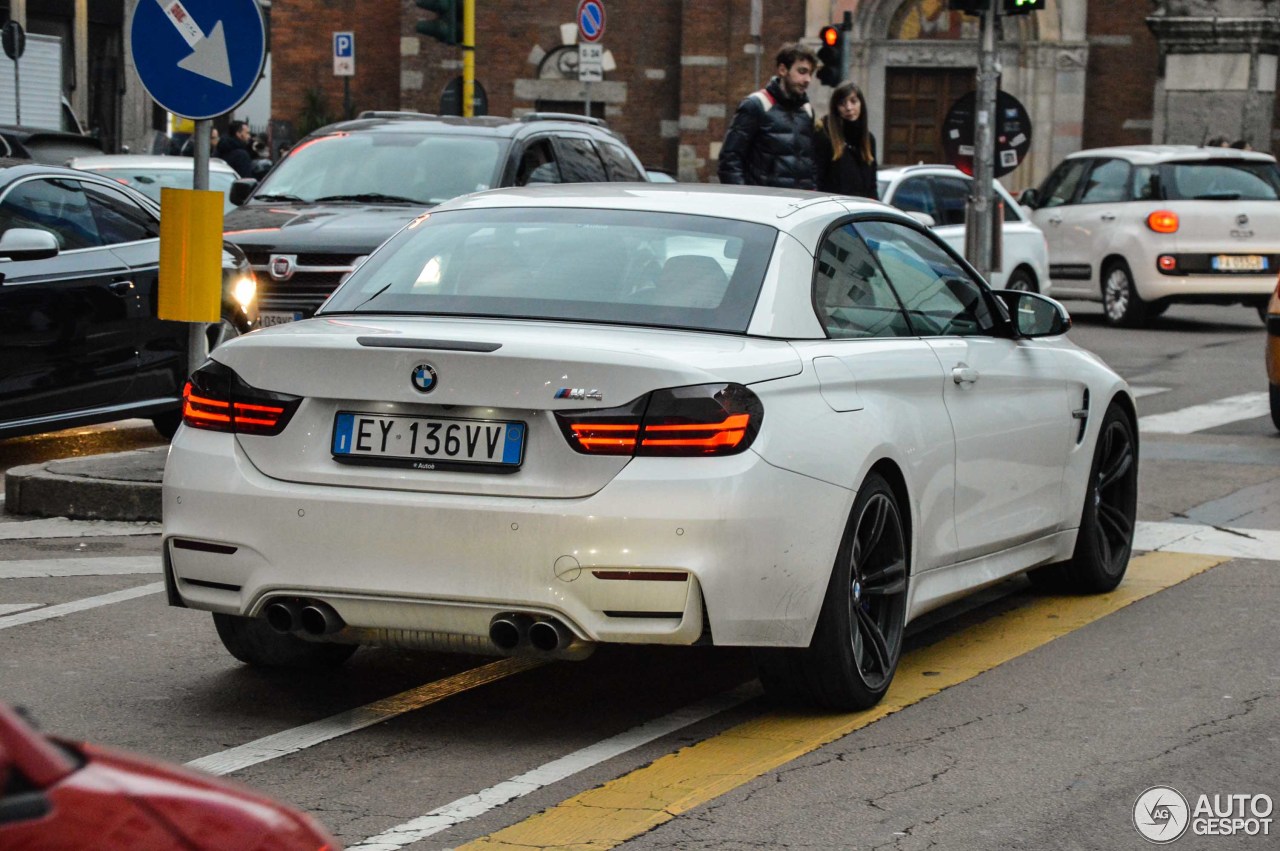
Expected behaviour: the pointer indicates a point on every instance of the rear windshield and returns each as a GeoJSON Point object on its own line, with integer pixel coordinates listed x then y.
{"type": "Point", "coordinates": [1215, 180]}
{"type": "Point", "coordinates": [149, 181]}
{"type": "Point", "coordinates": [631, 268]}
{"type": "Point", "coordinates": [393, 167]}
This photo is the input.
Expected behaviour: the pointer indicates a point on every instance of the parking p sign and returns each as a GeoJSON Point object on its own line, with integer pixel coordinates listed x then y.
{"type": "Point", "coordinates": [344, 54]}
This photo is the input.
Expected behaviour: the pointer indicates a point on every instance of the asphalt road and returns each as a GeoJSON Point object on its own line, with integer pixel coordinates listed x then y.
{"type": "Point", "coordinates": [1017, 720]}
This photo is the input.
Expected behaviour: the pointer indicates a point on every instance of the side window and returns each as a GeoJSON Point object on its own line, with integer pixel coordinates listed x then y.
{"type": "Point", "coordinates": [1108, 182]}
{"type": "Point", "coordinates": [940, 297]}
{"type": "Point", "coordinates": [850, 292]}
{"type": "Point", "coordinates": [1060, 187]}
{"type": "Point", "coordinates": [953, 194]}
{"type": "Point", "coordinates": [538, 164]}
{"type": "Point", "coordinates": [56, 206]}
{"type": "Point", "coordinates": [119, 218]}
{"type": "Point", "coordinates": [915, 196]}
{"type": "Point", "coordinates": [617, 162]}
{"type": "Point", "coordinates": [579, 162]}
{"type": "Point", "coordinates": [1146, 184]}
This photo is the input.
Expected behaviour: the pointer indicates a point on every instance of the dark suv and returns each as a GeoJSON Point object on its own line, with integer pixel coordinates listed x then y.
{"type": "Point", "coordinates": [346, 188]}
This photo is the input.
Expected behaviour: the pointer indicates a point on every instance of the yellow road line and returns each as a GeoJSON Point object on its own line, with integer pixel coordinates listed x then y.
{"type": "Point", "coordinates": [640, 801]}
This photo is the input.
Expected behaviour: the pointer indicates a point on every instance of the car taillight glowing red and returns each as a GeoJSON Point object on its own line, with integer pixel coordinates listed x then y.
{"type": "Point", "coordinates": [216, 399]}
{"type": "Point", "coordinates": [706, 419]}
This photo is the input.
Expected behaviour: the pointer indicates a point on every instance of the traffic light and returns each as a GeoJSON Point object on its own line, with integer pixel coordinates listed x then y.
{"type": "Point", "coordinates": [1023, 7]}
{"type": "Point", "coordinates": [831, 55]}
{"type": "Point", "coordinates": [448, 26]}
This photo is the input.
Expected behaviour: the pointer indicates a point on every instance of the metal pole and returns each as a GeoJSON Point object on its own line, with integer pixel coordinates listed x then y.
{"type": "Point", "coordinates": [757, 15]}
{"type": "Point", "coordinates": [468, 58]}
{"type": "Point", "coordinates": [346, 98]}
{"type": "Point", "coordinates": [197, 339]}
{"type": "Point", "coordinates": [978, 217]}
{"type": "Point", "coordinates": [846, 50]}
{"type": "Point", "coordinates": [17, 95]}
{"type": "Point", "coordinates": [586, 87]}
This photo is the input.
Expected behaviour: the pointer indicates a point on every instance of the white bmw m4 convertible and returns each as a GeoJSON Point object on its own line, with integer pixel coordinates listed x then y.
{"type": "Point", "coordinates": [540, 419]}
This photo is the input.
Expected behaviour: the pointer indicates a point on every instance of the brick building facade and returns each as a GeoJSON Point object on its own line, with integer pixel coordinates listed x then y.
{"type": "Point", "coordinates": [1088, 71]}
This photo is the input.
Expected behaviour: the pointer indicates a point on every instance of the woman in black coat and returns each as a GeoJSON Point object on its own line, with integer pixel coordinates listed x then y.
{"type": "Point", "coordinates": [844, 149]}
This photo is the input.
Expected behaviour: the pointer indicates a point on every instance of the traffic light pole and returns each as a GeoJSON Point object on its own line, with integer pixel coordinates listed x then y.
{"type": "Point", "coordinates": [468, 58]}
{"type": "Point", "coordinates": [979, 216]}
{"type": "Point", "coordinates": [846, 52]}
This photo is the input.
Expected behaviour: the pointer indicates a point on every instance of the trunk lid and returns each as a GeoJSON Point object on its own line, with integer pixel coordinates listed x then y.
{"type": "Point", "coordinates": [366, 366]}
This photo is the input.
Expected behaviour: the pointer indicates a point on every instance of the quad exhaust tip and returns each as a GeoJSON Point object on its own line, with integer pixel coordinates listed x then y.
{"type": "Point", "coordinates": [514, 632]}
{"type": "Point", "coordinates": [312, 617]}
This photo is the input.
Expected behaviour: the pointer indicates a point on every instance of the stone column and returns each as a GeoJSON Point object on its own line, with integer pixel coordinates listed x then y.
{"type": "Point", "coordinates": [1218, 70]}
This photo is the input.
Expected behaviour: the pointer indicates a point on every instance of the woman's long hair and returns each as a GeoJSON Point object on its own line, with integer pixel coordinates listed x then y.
{"type": "Point", "coordinates": [859, 138]}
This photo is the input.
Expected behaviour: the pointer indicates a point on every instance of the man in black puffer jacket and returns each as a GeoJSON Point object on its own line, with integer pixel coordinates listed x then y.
{"type": "Point", "coordinates": [770, 142]}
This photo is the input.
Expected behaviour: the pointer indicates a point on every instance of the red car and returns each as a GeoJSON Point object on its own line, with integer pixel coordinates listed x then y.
{"type": "Point", "coordinates": [63, 795]}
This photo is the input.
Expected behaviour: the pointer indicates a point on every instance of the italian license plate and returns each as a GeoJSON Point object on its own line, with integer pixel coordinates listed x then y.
{"type": "Point", "coordinates": [267, 318]}
{"type": "Point", "coordinates": [1240, 263]}
{"type": "Point", "coordinates": [427, 443]}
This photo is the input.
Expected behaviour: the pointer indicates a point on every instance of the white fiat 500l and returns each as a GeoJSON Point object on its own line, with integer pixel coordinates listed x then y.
{"type": "Point", "coordinates": [1145, 226]}
{"type": "Point", "coordinates": [539, 419]}
{"type": "Point", "coordinates": [941, 191]}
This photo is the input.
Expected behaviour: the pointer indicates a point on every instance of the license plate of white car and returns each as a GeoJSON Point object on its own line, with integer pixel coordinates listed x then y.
{"type": "Point", "coordinates": [1240, 263]}
{"type": "Point", "coordinates": [427, 442]}
{"type": "Point", "coordinates": [267, 318]}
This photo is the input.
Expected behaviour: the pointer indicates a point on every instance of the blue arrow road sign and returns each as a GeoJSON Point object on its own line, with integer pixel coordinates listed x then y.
{"type": "Point", "coordinates": [198, 58]}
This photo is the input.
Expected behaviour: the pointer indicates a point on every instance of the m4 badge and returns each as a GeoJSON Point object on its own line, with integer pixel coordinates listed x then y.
{"type": "Point", "coordinates": [579, 393]}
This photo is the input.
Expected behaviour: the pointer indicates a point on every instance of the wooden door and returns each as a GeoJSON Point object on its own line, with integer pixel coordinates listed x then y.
{"type": "Point", "coordinates": [916, 103]}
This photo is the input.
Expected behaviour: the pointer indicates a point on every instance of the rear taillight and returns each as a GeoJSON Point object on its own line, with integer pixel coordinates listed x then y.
{"type": "Point", "coordinates": [706, 419]}
{"type": "Point", "coordinates": [1163, 221]}
{"type": "Point", "coordinates": [217, 399]}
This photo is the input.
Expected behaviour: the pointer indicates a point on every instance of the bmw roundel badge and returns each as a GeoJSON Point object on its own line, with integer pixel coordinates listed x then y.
{"type": "Point", "coordinates": [424, 377]}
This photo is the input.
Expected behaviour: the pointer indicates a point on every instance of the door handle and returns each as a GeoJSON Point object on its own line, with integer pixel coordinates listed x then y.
{"type": "Point", "coordinates": [1055, 220]}
{"type": "Point", "coordinates": [120, 287]}
{"type": "Point", "coordinates": [1108, 217]}
{"type": "Point", "coordinates": [963, 374]}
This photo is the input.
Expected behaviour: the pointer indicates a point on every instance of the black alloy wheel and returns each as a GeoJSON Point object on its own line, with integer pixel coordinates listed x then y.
{"type": "Point", "coordinates": [1107, 523]}
{"type": "Point", "coordinates": [856, 646]}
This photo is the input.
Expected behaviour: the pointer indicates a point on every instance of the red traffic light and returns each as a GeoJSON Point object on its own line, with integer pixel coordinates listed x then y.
{"type": "Point", "coordinates": [830, 36]}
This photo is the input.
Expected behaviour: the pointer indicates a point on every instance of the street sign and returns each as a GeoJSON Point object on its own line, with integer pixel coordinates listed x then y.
{"type": "Point", "coordinates": [14, 40]}
{"type": "Point", "coordinates": [1012, 133]}
{"type": "Point", "coordinates": [590, 63]}
{"type": "Point", "coordinates": [591, 20]}
{"type": "Point", "coordinates": [451, 98]}
{"type": "Point", "coordinates": [198, 58]}
{"type": "Point", "coordinates": [344, 54]}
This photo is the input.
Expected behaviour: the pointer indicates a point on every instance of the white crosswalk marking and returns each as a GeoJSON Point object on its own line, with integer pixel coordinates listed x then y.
{"type": "Point", "coordinates": [10, 608]}
{"type": "Point", "coordinates": [1219, 412]}
{"type": "Point", "coordinates": [1208, 540]}
{"type": "Point", "coordinates": [74, 606]}
{"type": "Point", "coordinates": [1140, 391]}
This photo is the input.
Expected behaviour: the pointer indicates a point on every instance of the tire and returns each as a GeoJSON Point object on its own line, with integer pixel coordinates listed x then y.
{"type": "Point", "coordinates": [1262, 312]}
{"type": "Point", "coordinates": [1108, 520]}
{"type": "Point", "coordinates": [254, 642]}
{"type": "Point", "coordinates": [1121, 305]}
{"type": "Point", "coordinates": [167, 423]}
{"type": "Point", "coordinates": [858, 640]}
{"type": "Point", "coordinates": [1022, 279]}
{"type": "Point", "coordinates": [1275, 405]}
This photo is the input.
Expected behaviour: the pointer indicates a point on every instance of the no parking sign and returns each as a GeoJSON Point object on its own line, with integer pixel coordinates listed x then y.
{"type": "Point", "coordinates": [591, 20]}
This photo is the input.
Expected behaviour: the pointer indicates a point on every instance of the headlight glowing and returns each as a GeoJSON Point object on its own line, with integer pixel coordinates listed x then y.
{"type": "Point", "coordinates": [245, 290]}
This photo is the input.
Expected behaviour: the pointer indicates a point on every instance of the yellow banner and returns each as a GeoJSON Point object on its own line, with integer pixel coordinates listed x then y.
{"type": "Point", "coordinates": [190, 255]}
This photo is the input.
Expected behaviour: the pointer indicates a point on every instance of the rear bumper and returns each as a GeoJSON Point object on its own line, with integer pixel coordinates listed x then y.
{"type": "Point", "coordinates": [756, 542]}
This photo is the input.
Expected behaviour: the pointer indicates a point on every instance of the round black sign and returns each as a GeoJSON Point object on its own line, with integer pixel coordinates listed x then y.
{"type": "Point", "coordinates": [14, 40]}
{"type": "Point", "coordinates": [1013, 133]}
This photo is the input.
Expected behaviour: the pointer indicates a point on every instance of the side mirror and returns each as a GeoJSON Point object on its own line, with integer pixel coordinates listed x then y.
{"type": "Point", "coordinates": [923, 218]}
{"type": "Point", "coordinates": [1029, 198]}
{"type": "Point", "coordinates": [28, 244]}
{"type": "Point", "coordinates": [241, 190]}
{"type": "Point", "coordinates": [1035, 315]}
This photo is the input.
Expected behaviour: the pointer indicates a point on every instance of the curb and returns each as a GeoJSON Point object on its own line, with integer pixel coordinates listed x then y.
{"type": "Point", "coordinates": [41, 490]}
